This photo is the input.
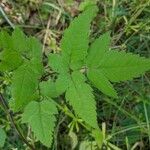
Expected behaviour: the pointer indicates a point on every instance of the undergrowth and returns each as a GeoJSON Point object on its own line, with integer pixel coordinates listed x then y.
{"type": "Point", "coordinates": [124, 122]}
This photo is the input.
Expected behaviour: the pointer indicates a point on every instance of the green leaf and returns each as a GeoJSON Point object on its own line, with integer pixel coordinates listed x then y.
{"type": "Point", "coordinates": [41, 117]}
{"type": "Point", "coordinates": [25, 82]}
{"type": "Point", "coordinates": [121, 66]}
{"type": "Point", "coordinates": [19, 40]}
{"type": "Point", "coordinates": [98, 49]}
{"type": "Point", "coordinates": [48, 89]}
{"type": "Point", "coordinates": [2, 137]}
{"type": "Point", "coordinates": [62, 83]}
{"type": "Point", "coordinates": [35, 48]}
{"type": "Point", "coordinates": [10, 60]}
{"type": "Point", "coordinates": [29, 47]}
{"type": "Point", "coordinates": [80, 97]}
{"type": "Point", "coordinates": [101, 82]}
{"type": "Point", "coordinates": [16, 42]}
{"type": "Point", "coordinates": [105, 65]}
{"type": "Point", "coordinates": [88, 145]}
{"type": "Point", "coordinates": [58, 63]}
{"type": "Point", "coordinates": [76, 38]}
{"type": "Point", "coordinates": [86, 4]}
{"type": "Point", "coordinates": [54, 89]}
{"type": "Point", "coordinates": [5, 40]}
{"type": "Point", "coordinates": [74, 139]}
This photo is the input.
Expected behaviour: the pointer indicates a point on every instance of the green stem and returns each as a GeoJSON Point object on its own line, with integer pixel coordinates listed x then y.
{"type": "Point", "coordinates": [124, 130]}
{"type": "Point", "coordinates": [71, 115]}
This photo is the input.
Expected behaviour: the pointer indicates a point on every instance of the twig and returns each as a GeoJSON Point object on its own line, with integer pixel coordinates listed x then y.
{"type": "Point", "coordinates": [10, 115]}
{"type": "Point", "coordinates": [6, 18]}
{"type": "Point", "coordinates": [46, 34]}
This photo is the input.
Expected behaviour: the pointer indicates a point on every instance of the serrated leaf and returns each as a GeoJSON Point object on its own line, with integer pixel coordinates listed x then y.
{"type": "Point", "coordinates": [58, 63]}
{"type": "Point", "coordinates": [10, 60]}
{"type": "Point", "coordinates": [34, 97]}
{"type": "Point", "coordinates": [80, 97]}
{"type": "Point", "coordinates": [101, 82]}
{"type": "Point", "coordinates": [5, 40]}
{"type": "Point", "coordinates": [19, 40]}
{"type": "Point", "coordinates": [35, 48]}
{"type": "Point", "coordinates": [105, 65]}
{"type": "Point", "coordinates": [86, 4]}
{"type": "Point", "coordinates": [25, 82]}
{"type": "Point", "coordinates": [2, 137]}
{"type": "Point", "coordinates": [41, 117]}
{"type": "Point", "coordinates": [121, 66]}
{"type": "Point", "coordinates": [29, 47]}
{"type": "Point", "coordinates": [76, 38]}
{"type": "Point", "coordinates": [62, 83]}
{"type": "Point", "coordinates": [54, 89]}
{"type": "Point", "coordinates": [48, 89]}
{"type": "Point", "coordinates": [16, 42]}
{"type": "Point", "coordinates": [98, 49]}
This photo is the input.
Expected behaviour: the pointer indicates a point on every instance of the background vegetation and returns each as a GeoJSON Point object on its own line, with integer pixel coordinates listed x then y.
{"type": "Point", "coordinates": [126, 121]}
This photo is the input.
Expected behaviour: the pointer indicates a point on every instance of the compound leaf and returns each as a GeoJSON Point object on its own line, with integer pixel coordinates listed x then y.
{"type": "Point", "coordinates": [76, 38]}
{"type": "Point", "coordinates": [25, 82]}
{"type": "Point", "coordinates": [80, 97]}
{"type": "Point", "coordinates": [105, 65]}
{"type": "Point", "coordinates": [41, 117]}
